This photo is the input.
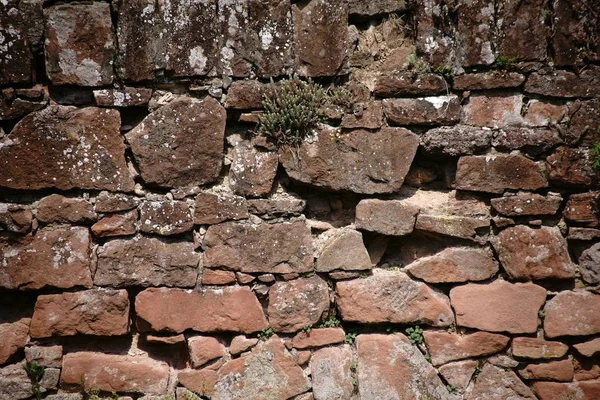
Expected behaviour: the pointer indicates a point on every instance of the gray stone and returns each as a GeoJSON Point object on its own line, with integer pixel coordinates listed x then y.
{"type": "Point", "coordinates": [457, 140]}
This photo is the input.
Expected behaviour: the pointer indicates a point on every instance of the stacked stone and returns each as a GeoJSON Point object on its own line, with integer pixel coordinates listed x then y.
{"type": "Point", "coordinates": [153, 247]}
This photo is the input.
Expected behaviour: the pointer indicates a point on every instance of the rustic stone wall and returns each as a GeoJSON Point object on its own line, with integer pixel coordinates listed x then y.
{"type": "Point", "coordinates": [437, 238]}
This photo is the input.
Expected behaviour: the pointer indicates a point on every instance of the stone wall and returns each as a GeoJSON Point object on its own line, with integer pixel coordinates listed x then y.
{"type": "Point", "coordinates": [437, 238]}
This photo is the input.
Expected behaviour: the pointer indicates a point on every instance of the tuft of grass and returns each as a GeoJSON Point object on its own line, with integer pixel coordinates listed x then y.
{"type": "Point", "coordinates": [350, 337]}
{"type": "Point", "coordinates": [444, 71]}
{"type": "Point", "coordinates": [265, 334]}
{"type": "Point", "coordinates": [330, 323]}
{"type": "Point", "coordinates": [307, 328]}
{"type": "Point", "coordinates": [506, 63]}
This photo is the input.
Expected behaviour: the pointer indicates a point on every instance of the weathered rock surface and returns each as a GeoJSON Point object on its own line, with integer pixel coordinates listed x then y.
{"type": "Point", "coordinates": [586, 234]}
{"type": "Point", "coordinates": [125, 97]}
{"type": "Point", "coordinates": [572, 314]}
{"type": "Point", "coordinates": [589, 264]}
{"type": "Point", "coordinates": [456, 140]}
{"type": "Point", "coordinates": [345, 250]}
{"type": "Point", "coordinates": [571, 167]}
{"type": "Point", "coordinates": [14, 383]}
{"type": "Point", "coordinates": [364, 116]}
{"type": "Point", "coordinates": [496, 173]}
{"type": "Point", "coordinates": [330, 372]}
{"type": "Point", "coordinates": [233, 309]}
{"type": "Point", "coordinates": [46, 356]}
{"type": "Point", "coordinates": [115, 373]}
{"type": "Point", "coordinates": [531, 254]}
{"type": "Point", "coordinates": [533, 141]}
{"type": "Point", "coordinates": [284, 206]}
{"type": "Point", "coordinates": [495, 383]}
{"type": "Point", "coordinates": [216, 277]}
{"type": "Point", "coordinates": [101, 312]}
{"type": "Point", "coordinates": [250, 248]}
{"type": "Point", "coordinates": [318, 337]}
{"type": "Point", "coordinates": [564, 84]}
{"type": "Point", "coordinates": [180, 144]}
{"type": "Point", "coordinates": [241, 343]}
{"type": "Point", "coordinates": [587, 390]}
{"type": "Point", "coordinates": [146, 261]}
{"type": "Point", "coordinates": [16, 103]}
{"type": "Point", "coordinates": [561, 371]}
{"type": "Point", "coordinates": [545, 113]}
{"type": "Point", "coordinates": [588, 349]}
{"type": "Point", "coordinates": [79, 44]}
{"type": "Point", "coordinates": [204, 349]}
{"type": "Point", "coordinates": [15, 218]}
{"type": "Point", "coordinates": [493, 111]}
{"type": "Point", "coordinates": [252, 172]}
{"type": "Point", "coordinates": [457, 226]}
{"type": "Point", "coordinates": [511, 308]}
{"type": "Point", "coordinates": [455, 264]}
{"type": "Point", "coordinates": [52, 258]}
{"type": "Point", "coordinates": [392, 297]}
{"type": "Point", "coordinates": [581, 208]}
{"type": "Point", "coordinates": [441, 110]}
{"type": "Point", "coordinates": [388, 217]}
{"type": "Point", "coordinates": [297, 303]}
{"type": "Point", "coordinates": [444, 347]}
{"type": "Point", "coordinates": [62, 151]}
{"type": "Point", "coordinates": [116, 225]}
{"type": "Point", "coordinates": [165, 217]}
{"type": "Point", "coordinates": [488, 80]}
{"type": "Point", "coordinates": [345, 162]}
{"type": "Point", "coordinates": [523, 36]}
{"type": "Point", "coordinates": [409, 84]}
{"type": "Point", "coordinates": [212, 208]}
{"type": "Point", "coordinates": [60, 209]}
{"type": "Point", "coordinates": [389, 367]}
{"type": "Point", "coordinates": [527, 204]}
{"type": "Point", "coordinates": [107, 202]}
{"type": "Point", "coordinates": [14, 337]}
{"type": "Point", "coordinates": [370, 8]}
{"type": "Point", "coordinates": [459, 373]}
{"type": "Point", "coordinates": [201, 382]}
{"type": "Point", "coordinates": [534, 348]}
{"type": "Point", "coordinates": [246, 95]}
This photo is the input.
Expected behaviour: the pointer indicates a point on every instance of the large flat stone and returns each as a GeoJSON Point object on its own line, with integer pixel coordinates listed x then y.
{"type": "Point", "coordinates": [165, 217]}
{"type": "Point", "coordinates": [14, 383]}
{"type": "Point", "coordinates": [523, 33]}
{"type": "Point", "coordinates": [456, 140]}
{"type": "Point", "coordinates": [587, 390]}
{"type": "Point", "coordinates": [565, 84]}
{"type": "Point", "coordinates": [330, 372]}
{"type": "Point", "coordinates": [409, 84]}
{"type": "Point", "coordinates": [14, 336]}
{"type": "Point", "coordinates": [388, 217]}
{"type": "Point", "coordinates": [252, 172]}
{"type": "Point", "coordinates": [571, 167]}
{"type": "Point", "coordinates": [534, 348]}
{"type": "Point", "coordinates": [572, 313]}
{"type": "Point", "coordinates": [346, 251]}
{"type": "Point", "coordinates": [527, 204]}
{"type": "Point", "coordinates": [495, 383]}
{"type": "Point", "coordinates": [67, 210]}
{"type": "Point", "coordinates": [455, 264]}
{"type": "Point", "coordinates": [445, 347]}
{"type": "Point", "coordinates": [441, 110]}
{"type": "Point", "coordinates": [493, 111]}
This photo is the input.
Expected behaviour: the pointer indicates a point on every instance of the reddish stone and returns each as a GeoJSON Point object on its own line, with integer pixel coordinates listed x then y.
{"type": "Point", "coordinates": [493, 111]}
{"type": "Point", "coordinates": [297, 303]}
{"type": "Point", "coordinates": [247, 95]}
{"type": "Point", "coordinates": [318, 338]}
{"type": "Point", "coordinates": [214, 208]}
{"type": "Point", "coordinates": [252, 172]}
{"type": "Point", "coordinates": [320, 38]}
{"type": "Point", "coordinates": [459, 373]}
{"type": "Point", "coordinates": [584, 116]}
{"type": "Point", "coordinates": [201, 382]}
{"type": "Point", "coordinates": [571, 168]}
{"type": "Point", "coordinates": [15, 218]}
{"type": "Point", "coordinates": [52, 258]}
{"type": "Point", "coordinates": [345, 250]}
{"type": "Point", "coordinates": [12, 107]}
{"type": "Point", "coordinates": [240, 344]}
{"type": "Point", "coordinates": [269, 372]}
{"type": "Point", "coordinates": [364, 116]}
{"type": "Point", "coordinates": [533, 141]}
{"type": "Point", "coordinates": [572, 314]}
{"type": "Point", "coordinates": [441, 110]}
{"type": "Point", "coordinates": [455, 264]}
{"type": "Point", "coordinates": [370, 300]}
{"type": "Point", "coordinates": [409, 84]}
{"type": "Point", "coordinates": [495, 383]}
{"type": "Point", "coordinates": [588, 390]}
{"type": "Point", "coordinates": [586, 369]}
{"type": "Point", "coordinates": [45, 356]}
{"type": "Point", "coordinates": [476, 33]}
{"type": "Point", "coordinates": [568, 32]}
{"type": "Point", "coordinates": [216, 277]}
{"type": "Point", "coordinates": [60, 209]}
{"type": "Point", "coordinates": [181, 143]}
{"type": "Point", "coordinates": [487, 80]}
{"type": "Point", "coordinates": [204, 349]}
{"type": "Point", "coordinates": [527, 204]}
{"type": "Point", "coordinates": [125, 97]}
{"type": "Point", "coordinates": [564, 84]}
{"type": "Point", "coordinates": [115, 373]}
{"type": "Point", "coordinates": [389, 367]}
{"type": "Point", "coordinates": [388, 217]}
{"type": "Point", "coordinates": [532, 254]}
{"type": "Point", "coordinates": [589, 348]}
{"type": "Point", "coordinates": [276, 207]}
{"type": "Point", "coordinates": [581, 208]}
{"type": "Point", "coordinates": [523, 33]}
{"type": "Point", "coordinates": [451, 225]}
{"type": "Point", "coordinates": [542, 113]}
{"type": "Point", "coordinates": [169, 340]}
{"type": "Point", "coordinates": [14, 337]}
{"type": "Point", "coordinates": [145, 261]}
{"type": "Point", "coordinates": [233, 309]}
{"type": "Point", "coordinates": [79, 45]}
{"type": "Point", "coordinates": [456, 140]}
{"type": "Point", "coordinates": [435, 35]}
{"type": "Point", "coordinates": [223, 247]}
{"type": "Point", "coordinates": [511, 308]}
{"type": "Point", "coordinates": [444, 347]}
{"type": "Point", "coordinates": [165, 217]}
{"type": "Point", "coordinates": [327, 162]}
{"type": "Point", "coordinates": [496, 173]}
{"type": "Point", "coordinates": [67, 148]}
{"type": "Point", "coordinates": [561, 371]}
{"type": "Point", "coordinates": [100, 312]}
{"type": "Point", "coordinates": [331, 374]}
{"type": "Point", "coordinates": [525, 347]}
{"type": "Point", "coordinates": [107, 202]}
{"type": "Point", "coordinates": [116, 225]}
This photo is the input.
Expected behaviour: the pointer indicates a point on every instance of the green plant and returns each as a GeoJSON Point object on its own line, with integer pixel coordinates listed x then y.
{"type": "Point", "coordinates": [307, 328]}
{"type": "Point", "coordinates": [444, 71]}
{"type": "Point", "coordinates": [35, 373]}
{"type": "Point", "coordinates": [92, 394]}
{"type": "Point", "coordinates": [350, 337]}
{"type": "Point", "coordinates": [541, 314]}
{"type": "Point", "coordinates": [265, 334]}
{"type": "Point", "coordinates": [428, 358]}
{"type": "Point", "coordinates": [476, 372]}
{"type": "Point", "coordinates": [503, 63]}
{"type": "Point", "coordinates": [415, 334]}
{"type": "Point", "coordinates": [292, 111]}
{"type": "Point", "coordinates": [415, 63]}
{"type": "Point", "coordinates": [353, 367]}
{"type": "Point", "coordinates": [596, 156]}
{"type": "Point", "coordinates": [332, 322]}
{"type": "Point", "coordinates": [450, 388]}
{"type": "Point", "coordinates": [339, 96]}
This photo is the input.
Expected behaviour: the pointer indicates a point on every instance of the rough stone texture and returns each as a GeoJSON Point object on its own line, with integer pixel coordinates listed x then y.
{"type": "Point", "coordinates": [345, 162]}
{"type": "Point", "coordinates": [268, 372]}
{"type": "Point", "coordinates": [511, 308]}
{"type": "Point", "coordinates": [247, 95]}
{"type": "Point", "coordinates": [125, 97]}
{"type": "Point", "coordinates": [527, 204]}
{"type": "Point", "coordinates": [318, 338]}
{"type": "Point", "coordinates": [523, 35]}
{"type": "Point", "coordinates": [116, 225]}
{"type": "Point", "coordinates": [115, 373]}
{"type": "Point", "coordinates": [588, 349]}
{"type": "Point", "coordinates": [101, 312]}
{"type": "Point", "coordinates": [63, 152]}
{"type": "Point", "coordinates": [588, 390]}
{"type": "Point", "coordinates": [534, 348]}
{"type": "Point", "coordinates": [441, 110]}
{"type": "Point", "coordinates": [45, 356]}
{"type": "Point", "coordinates": [201, 382]}
{"type": "Point", "coordinates": [532, 254]}
{"type": "Point", "coordinates": [180, 144]}
{"type": "Point", "coordinates": [455, 264]}
{"type": "Point", "coordinates": [581, 208]}
{"type": "Point", "coordinates": [344, 250]}
{"type": "Point", "coordinates": [571, 167]}
{"type": "Point", "coordinates": [409, 84]}
{"type": "Point", "coordinates": [52, 258]}
{"type": "Point", "coordinates": [216, 277]}
{"type": "Point", "coordinates": [496, 173]}
{"type": "Point", "coordinates": [15, 218]}
{"type": "Point", "coordinates": [250, 248]}
{"type": "Point", "coordinates": [476, 33]}
{"type": "Point", "coordinates": [543, 113]}
{"type": "Point", "coordinates": [392, 297]}
{"type": "Point", "coordinates": [358, 7]}
{"type": "Point", "coordinates": [435, 36]}
{"type": "Point", "coordinates": [456, 140]}
{"type": "Point", "coordinates": [204, 349]}
{"type": "Point", "coordinates": [570, 44]}
{"type": "Point", "coordinates": [364, 116]}
{"type": "Point", "coordinates": [561, 371]}
{"type": "Point", "coordinates": [320, 37]}
{"type": "Point", "coordinates": [572, 314]}
{"type": "Point", "coordinates": [586, 234]}
{"type": "Point", "coordinates": [493, 111]}
{"type": "Point", "coordinates": [445, 347]}
{"type": "Point", "coordinates": [388, 217]}
{"type": "Point", "coordinates": [330, 372]}
{"type": "Point", "coordinates": [564, 84]}
{"type": "Point", "coordinates": [165, 217]}
{"type": "Point", "coordinates": [233, 309]}
{"type": "Point", "coordinates": [14, 383]}
{"type": "Point", "coordinates": [589, 264]}
{"type": "Point", "coordinates": [533, 141]}
{"type": "Point", "coordinates": [277, 207]}
{"type": "Point", "coordinates": [107, 202]}
{"type": "Point", "coordinates": [584, 115]}
{"type": "Point", "coordinates": [146, 261]}
{"type": "Point", "coordinates": [252, 172]}
{"type": "Point", "coordinates": [14, 337]}
{"type": "Point", "coordinates": [241, 343]}
{"type": "Point", "coordinates": [389, 367]}
{"type": "Point", "coordinates": [79, 44]}
{"type": "Point", "coordinates": [495, 383]}
{"type": "Point", "coordinates": [60, 209]}
{"type": "Point", "coordinates": [212, 208]}
{"type": "Point", "coordinates": [16, 103]}
{"type": "Point", "coordinates": [487, 80]}
{"type": "Point", "coordinates": [458, 226]}
{"type": "Point", "coordinates": [297, 303]}
{"type": "Point", "coordinates": [459, 373]}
